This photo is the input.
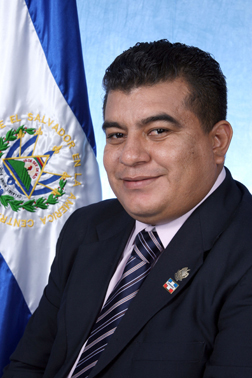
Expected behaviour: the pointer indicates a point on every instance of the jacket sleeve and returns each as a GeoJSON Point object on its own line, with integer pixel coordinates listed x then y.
{"type": "Point", "coordinates": [232, 353]}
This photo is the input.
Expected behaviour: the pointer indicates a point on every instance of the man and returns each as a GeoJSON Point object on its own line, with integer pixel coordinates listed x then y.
{"type": "Point", "coordinates": [190, 313]}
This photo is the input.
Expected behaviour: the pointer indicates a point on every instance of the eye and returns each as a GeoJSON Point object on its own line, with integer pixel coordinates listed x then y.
{"type": "Point", "coordinates": [115, 136]}
{"type": "Point", "coordinates": [158, 133]}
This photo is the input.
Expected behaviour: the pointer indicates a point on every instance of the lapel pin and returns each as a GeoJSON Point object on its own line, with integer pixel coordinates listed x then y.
{"type": "Point", "coordinates": [171, 285]}
{"type": "Point", "coordinates": [181, 274]}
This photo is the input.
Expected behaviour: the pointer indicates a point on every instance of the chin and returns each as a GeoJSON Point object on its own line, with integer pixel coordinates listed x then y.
{"type": "Point", "coordinates": [142, 214]}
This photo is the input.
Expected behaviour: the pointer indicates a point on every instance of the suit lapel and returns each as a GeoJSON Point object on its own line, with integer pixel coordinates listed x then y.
{"type": "Point", "coordinates": [152, 295]}
{"type": "Point", "coordinates": [86, 292]}
{"type": "Point", "coordinates": [187, 248]}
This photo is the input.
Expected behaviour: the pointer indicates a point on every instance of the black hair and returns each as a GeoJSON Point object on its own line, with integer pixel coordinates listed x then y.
{"type": "Point", "coordinates": [147, 64]}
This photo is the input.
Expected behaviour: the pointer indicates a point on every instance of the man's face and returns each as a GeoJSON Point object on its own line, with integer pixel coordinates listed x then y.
{"type": "Point", "coordinates": [160, 163]}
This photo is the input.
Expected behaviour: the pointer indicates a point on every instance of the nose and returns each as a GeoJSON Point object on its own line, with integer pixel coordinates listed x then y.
{"type": "Point", "coordinates": [134, 152]}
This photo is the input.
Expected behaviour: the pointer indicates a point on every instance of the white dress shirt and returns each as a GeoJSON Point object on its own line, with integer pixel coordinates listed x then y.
{"type": "Point", "coordinates": [165, 232]}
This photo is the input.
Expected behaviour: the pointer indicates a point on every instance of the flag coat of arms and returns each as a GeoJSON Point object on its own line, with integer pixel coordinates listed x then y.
{"type": "Point", "coordinates": [48, 166]}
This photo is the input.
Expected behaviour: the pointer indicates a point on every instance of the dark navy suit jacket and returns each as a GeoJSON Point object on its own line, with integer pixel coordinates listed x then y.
{"type": "Point", "coordinates": [203, 329]}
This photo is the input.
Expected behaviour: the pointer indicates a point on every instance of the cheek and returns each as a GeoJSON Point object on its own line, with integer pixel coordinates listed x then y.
{"type": "Point", "coordinates": [175, 155]}
{"type": "Point", "coordinates": [110, 159]}
{"type": "Point", "coordinates": [106, 158]}
{"type": "Point", "coordinates": [199, 161]}
{"type": "Point", "coordinates": [185, 161]}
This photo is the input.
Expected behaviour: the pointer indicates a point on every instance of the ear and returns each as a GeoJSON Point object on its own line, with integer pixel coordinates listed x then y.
{"type": "Point", "coordinates": [221, 136]}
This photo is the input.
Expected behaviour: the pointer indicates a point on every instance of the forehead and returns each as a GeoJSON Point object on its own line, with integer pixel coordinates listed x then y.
{"type": "Point", "coordinates": [142, 101]}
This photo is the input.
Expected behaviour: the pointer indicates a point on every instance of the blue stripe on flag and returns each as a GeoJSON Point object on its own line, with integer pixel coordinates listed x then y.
{"type": "Point", "coordinates": [14, 313]}
{"type": "Point", "coordinates": [57, 26]}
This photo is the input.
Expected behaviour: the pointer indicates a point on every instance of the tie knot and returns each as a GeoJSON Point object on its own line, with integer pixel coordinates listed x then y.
{"type": "Point", "coordinates": [147, 246]}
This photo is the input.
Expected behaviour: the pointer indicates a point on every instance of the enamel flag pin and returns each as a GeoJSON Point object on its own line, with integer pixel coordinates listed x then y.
{"type": "Point", "coordinates": [171, 285]}
{"type": "Point", "coordinates": [181, 274]}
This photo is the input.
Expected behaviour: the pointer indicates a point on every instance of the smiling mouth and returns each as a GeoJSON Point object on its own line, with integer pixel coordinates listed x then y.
{"type": "Point", "coordinates": [138, 182]}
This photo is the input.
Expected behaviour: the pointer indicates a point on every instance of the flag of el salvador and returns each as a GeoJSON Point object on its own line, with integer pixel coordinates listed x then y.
{"type": "Point", "coordinates": [48, 166]}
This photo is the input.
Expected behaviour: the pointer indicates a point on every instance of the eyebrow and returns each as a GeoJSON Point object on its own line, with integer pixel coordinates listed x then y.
{"type": "Point", "coordinates": [160, 117]}
{"type": "Point", "coordinates": [155, 118]}
{"type": "Point", "coordinates": [106, 125]}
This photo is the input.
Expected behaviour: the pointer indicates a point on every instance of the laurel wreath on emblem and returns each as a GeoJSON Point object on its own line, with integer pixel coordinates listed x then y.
{"type": "Point", "coordinates": [31, 205]}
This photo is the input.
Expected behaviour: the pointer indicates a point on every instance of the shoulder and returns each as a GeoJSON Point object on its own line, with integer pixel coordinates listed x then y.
{"type": "Point", "coordinates": [80, 230]}
{"type": "Point", "coordinates": [90, 216]}
{"type": "Point", "coordinates": [97, 212]}
{"type": "Point", "coordinates": [81, 227]}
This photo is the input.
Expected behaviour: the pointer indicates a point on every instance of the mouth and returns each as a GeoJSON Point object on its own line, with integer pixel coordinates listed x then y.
{"type": "Point", "coordinates": [139, 182]}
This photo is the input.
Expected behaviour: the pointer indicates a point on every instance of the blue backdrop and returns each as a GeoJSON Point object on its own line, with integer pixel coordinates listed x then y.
{"type": "Point", "coordinates": [221, 27]}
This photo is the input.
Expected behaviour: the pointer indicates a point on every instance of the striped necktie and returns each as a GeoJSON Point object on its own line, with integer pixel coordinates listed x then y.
{"type": "Point", "coordinates": [147, 248]}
